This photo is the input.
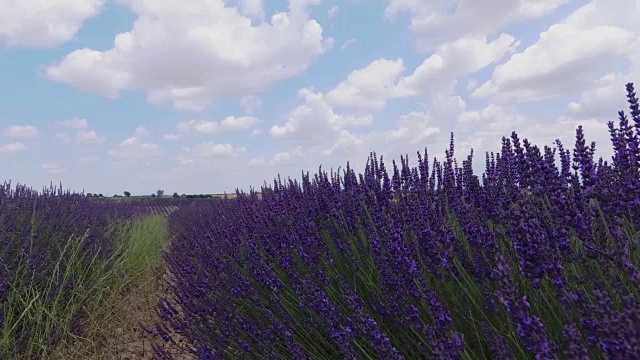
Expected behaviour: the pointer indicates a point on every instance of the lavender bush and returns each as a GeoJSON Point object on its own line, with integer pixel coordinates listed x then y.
{"type": "Point", "coordinates": [527, 261]}
{"type": "Point", "coordinates": [60, 253]}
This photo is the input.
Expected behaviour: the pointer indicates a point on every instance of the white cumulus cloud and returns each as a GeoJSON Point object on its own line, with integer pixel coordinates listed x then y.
{"type": "Point", "coordinates": [368, 88]}
{"type": "Point", "coordinates": [598, 38]}
{"type": "Point", "coordinates": [237, 123]}
{"type": "Point", "coordinates": [133, 148]}
{"type": "Point", "coordinates": [74, 123]}
{"type": "Point", "coordinates": [315, 120]}
{"type": "Point", "coordinates": [88, 137]}
{"type": "Point", "coordinates": [250, 103]}
{"type": "Point", "coordinates": [12, 148]}
{"type": "Point", "coordinates": [437, 22]}
{"type": "Point", "coordinates": [190, 53]}
{"type": "Point", "coordinates": [230, 123]}
{"type": "Point", "coordinates": [452, 60]}
{"type": "Point", "coordinates": [53, 168]}
{"type": "Point", "coordinates": [44, 24]}
{"type": "Point", "coordinates": [18, 131]}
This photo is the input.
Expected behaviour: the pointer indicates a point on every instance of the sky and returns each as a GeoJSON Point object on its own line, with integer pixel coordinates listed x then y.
{"type": "Point", "coordinates": [206, 96]}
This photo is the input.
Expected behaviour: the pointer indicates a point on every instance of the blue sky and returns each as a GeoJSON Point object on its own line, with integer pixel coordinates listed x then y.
{"type": "Point", "coordinates": [140, 95]}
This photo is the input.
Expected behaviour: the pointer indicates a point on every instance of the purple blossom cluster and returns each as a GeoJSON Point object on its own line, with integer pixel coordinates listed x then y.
{"type": "Point", "coordinates": [527, 261]}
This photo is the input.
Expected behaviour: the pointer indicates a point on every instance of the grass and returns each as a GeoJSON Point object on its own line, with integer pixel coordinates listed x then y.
{"type": "Point", "coordinates": [100, 288]}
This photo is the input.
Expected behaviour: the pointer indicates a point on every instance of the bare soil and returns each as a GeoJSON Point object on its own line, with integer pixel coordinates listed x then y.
{"type": "Point", "coordinates": [123, 337]}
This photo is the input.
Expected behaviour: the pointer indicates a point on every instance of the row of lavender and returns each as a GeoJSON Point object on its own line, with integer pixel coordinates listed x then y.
{"type": "Point", "coordinates": [531, 261]}
{"type": "Point", "coordinates": [56, 249]}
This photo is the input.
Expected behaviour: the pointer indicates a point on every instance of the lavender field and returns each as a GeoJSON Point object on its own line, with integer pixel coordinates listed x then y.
{"type": "Point", "coordinates": [530, 260]}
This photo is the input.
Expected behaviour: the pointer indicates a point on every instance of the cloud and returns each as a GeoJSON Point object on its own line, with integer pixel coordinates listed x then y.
{"type": "Point", "coordinates": [452, 60]}
{"type": "Point", "coordinates": [315, 120]}
{"type": "Point", "coordinates": [89, 159]}
{"type": "Point", "coordinates": [172, 137]}
{"type": "Point", "coordinates": [233, 123]}
{"type": "Point", "coordinates": [419, 127]}
{"type": "Point", "coordinates": [62, 137]}
{"type": "Point", "coordinates": [53, 168]}
{"type": "Point", "coordinates": [322, 134]}
{"type": "Point", "coordinates": [442, 21]}
{"type": "Point", "coordinates": [92, 71]}
{"type": "Point", "coordinates": [562, 52]}
{"type": "Point", "coordinates": [493, 119]}
{"type": "Point", "coordinates": [210, 153]}
{"type": "Point", "coordinates": [18, 131]}
{"type": "Point", "coordinates": [133, 148]}
{"type": "Point", "coordinates": [581, 50]}
{"type": "Point", "coordinates": [472, 84]}
{"type": "Point", "coordinates": [44, 24]}
{"type": "Point", "coordinates": [213, 150]}
{"type": "Point", "coordinates": [141, 132]}
{"type": "Point", "coordinates": [250, 103]}
{"type": "Point", "coordinates": [253, 9]}
{"type": "Point", "coordinates": [368, 88]}
{"type": "Point", "coordinates": [411, 132]}
{"type": "Point", "coordinates": [348, 43]}
{"type": "Point", "coordinates": [82, 135]}
{"type": "Point", "coordinates": [192, 54]}
{"type": "Point", "coordinates": [333, 11]}
{"type": "Point", "coordinates": [12, 148]}
{"type": "Point", "coordinates": [621, 13]}
{"type": "Point", "coordinates": [198, 126]}
{"type": "Point", "coordinates": [230, 123]}
{"type": "Point", "coordinates": [412, 128]}
{"type": "Point", "coordinates": [603, 97]}
{"type": "Point", "coordinates": [344, 142]}
{"type": "Point", "coordinates": [74, 123]}
{"type": "Point", "coordinates": [280, 158]}
{"type": "Point", "coordinates": [430, 127]}
{"type": "Point", "coordinates": [88, 137]}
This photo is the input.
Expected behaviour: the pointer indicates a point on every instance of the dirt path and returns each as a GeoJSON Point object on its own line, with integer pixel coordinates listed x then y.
{"type": "Point", "coordinates": [136, 343]}
{"type": "Point", "coordinates": [122, 337]}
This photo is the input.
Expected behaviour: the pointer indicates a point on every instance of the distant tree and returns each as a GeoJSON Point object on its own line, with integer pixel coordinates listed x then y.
{"type": "Point", "coordinates": [160, 193]}
{"type": "Point", "coordinates": [101, 195]}
{"type": "Point", "coordinates": [89, 194]}
{"type": "Point", "coordinates": [175, 195]}
{"type": "Point", "coordinates": [184, 195]}
{"type": "Point", "coordinates": [153, 195]}
{"type": "Point", "coordinates": [127, 194]}
{"type": "Point", "coordinates": [116, 195]}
